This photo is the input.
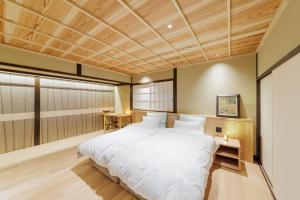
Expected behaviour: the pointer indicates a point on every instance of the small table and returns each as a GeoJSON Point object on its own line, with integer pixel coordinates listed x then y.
{"type": "Point", "coordinates": [115, 121]}
{"type": "Point", "coordinates": [229, 153]}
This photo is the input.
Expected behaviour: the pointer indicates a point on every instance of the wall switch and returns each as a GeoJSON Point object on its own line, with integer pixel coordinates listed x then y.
{"type": "Point", "coordinates": [218, 129]}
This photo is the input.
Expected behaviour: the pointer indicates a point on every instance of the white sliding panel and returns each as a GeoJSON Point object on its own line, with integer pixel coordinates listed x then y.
{"type": "Point", "coordinates": [70, 108]}
{"type": "Point", "coordinates": [153, 96]}
{"type": "Point", "coordinates": [16, 112]}
{"type": "Point", "coordinates": [266, 132]}
{"type": "Point", "coordinates": [286, 132]}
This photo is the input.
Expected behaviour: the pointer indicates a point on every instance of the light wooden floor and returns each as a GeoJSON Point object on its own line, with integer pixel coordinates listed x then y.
{"type": "Point", "coordinates": [61, 175]}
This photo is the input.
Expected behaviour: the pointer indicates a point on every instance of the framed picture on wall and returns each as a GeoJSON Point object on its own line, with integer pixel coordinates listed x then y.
{"type": "Point", "coordinates": [228, 106]}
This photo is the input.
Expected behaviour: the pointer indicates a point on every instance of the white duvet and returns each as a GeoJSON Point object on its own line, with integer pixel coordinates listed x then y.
{"type": "Point", "coordinates": [158, 163]}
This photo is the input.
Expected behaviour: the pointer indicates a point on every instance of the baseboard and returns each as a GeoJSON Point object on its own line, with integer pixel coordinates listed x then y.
{"type": "Point", "coordinates": [267, 179]}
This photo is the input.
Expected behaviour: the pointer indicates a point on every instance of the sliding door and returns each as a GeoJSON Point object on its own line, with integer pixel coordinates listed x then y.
{"type": "Point", "coordinates": [286, 131]}
{"type": "Point", "coordinates": [266, 125]}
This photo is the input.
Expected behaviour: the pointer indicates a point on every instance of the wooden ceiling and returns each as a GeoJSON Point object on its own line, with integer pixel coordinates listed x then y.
{"type": "Point", "coordinates": [136, 36]}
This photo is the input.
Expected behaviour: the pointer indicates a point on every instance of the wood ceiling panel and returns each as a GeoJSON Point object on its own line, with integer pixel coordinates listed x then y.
{"type": "Point", "coordinates": [127, 46]}
{"type": "Point", "coordinates": [126, 58]}
{"type": "Point", "coordinates": [113, 62]}
{"type": "Point", "coordinates": [217, 51]}
{"type": "Point", "coordinates": [82, 52]}
{"type": "Point", "coordinates": [59, 45]}
{"type": "Point", "coordinates": [207, 11]}
{"type": "Point", "coordinates": [129, 24]}
{"type": "Point", "coordinates": [197, 59]}
{"type": "Point", "coordinates": [13, 41]}
{"type": "Point", "coordinates": [92, 45]}
{"type": "Point", "coordinates": [69, 36]}
{"type": "Point", "coordinates": [264, 10]}
{"type": "Point", "coordinates": [52, 52]}
{"type": "Point", "coordinates": [212, 31]}
{"type": "Point", "coordinates": [72, 57]}
{"type": "Point", "coordinates": [108, 35]}
{"type": "Point", "coordinates": [132, 36]}
{"type": "Point", "coordinates": [103, 9]}
{"type": "Point", "coordinates": [245, 45]}
{"type": "Point", "coordinates": [83, 23]}
{"type": "Point", "coordinates": [145, 37]}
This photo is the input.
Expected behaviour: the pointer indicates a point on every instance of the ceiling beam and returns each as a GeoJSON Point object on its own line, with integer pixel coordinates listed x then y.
{"type": "Point", "coordinates": [34, 12]}
{"type": "Point", "coordinates": [188, 25]}
{"type": "Point", "coordinates": [229, 26]}
{"type": "Point", "coordinates": [94, 17]}
{"type": "Point", "coordinates": [151, 28]}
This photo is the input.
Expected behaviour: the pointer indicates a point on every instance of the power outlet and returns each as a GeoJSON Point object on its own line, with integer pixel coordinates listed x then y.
{"type": "Point", "coordinates": [218, 129]}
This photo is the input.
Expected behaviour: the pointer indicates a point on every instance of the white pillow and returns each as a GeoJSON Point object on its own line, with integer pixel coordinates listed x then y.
{"type": "Point", "coordinates": [188, 125]}
{"type": "Point", "coordinates": [161, 115]}
{"type": "Point", "coordinates": [194, 118]}
{"type": "Point", "coordinates": [151, 122]}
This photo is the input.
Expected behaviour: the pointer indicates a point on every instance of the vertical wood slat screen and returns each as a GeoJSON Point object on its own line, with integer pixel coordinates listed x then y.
{"type": "Point", "coordinates": [153, 96]}
{"type": "Point", "coordinates": [71, 108]}
{"type": "Point", "coordinates": [68, 108]}
{"type": "Point", "coordinates": [16, 112]}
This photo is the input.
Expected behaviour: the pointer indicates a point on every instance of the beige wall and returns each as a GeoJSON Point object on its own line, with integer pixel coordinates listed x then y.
{"type": "Point", "coordinates": [284, 37]}
{"type": "Point", "coordinates": [155, 76]}
{"type": "Point", "coordinates": [27, 58]}
{"type": "Point", "coordinates": [122, 100]}
{"type": "Point", "coordinates": [197, 86]}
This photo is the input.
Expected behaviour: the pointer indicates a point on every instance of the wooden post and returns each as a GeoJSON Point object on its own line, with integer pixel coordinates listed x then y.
{"type": "Point", "coordinates": [37, 111]}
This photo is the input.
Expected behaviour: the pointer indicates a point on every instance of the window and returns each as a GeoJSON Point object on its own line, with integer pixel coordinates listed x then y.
{"type": "Point", "coordinates": [67, 108]}
{"type": "Point", "coordinates": [153, 96]}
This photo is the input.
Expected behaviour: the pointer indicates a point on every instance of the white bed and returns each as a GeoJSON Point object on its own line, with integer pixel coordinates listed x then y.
{"type": "Point", "coordinates": [156, 163]}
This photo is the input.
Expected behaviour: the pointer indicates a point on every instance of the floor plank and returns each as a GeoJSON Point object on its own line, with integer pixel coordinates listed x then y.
{"type": "Point", "coordinates": [62, 176]}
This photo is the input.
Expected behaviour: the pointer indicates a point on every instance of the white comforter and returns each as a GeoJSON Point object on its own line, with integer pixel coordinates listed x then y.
{"type": "Point", "coordinates": [97, 148]}
{"type": "Point", "coordinates": [158, 164]}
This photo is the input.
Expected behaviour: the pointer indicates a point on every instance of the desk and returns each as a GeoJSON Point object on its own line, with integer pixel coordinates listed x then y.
{"type": "Point", "coordinates": [115, 121]}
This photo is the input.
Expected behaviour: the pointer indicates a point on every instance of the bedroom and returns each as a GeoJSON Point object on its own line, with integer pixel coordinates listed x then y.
{"type": "Point", "coordinates": [163, 99]}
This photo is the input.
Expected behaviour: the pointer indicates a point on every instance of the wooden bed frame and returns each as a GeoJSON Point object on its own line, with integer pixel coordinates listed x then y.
{"type": "Point", "coordinates": [115, 179]}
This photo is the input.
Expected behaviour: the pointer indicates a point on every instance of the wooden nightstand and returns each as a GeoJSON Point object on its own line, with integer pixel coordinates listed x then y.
{"type": "Point", "coordinates": [229, 153]}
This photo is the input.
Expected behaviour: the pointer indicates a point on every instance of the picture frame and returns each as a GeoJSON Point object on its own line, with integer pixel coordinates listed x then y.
{"type": "Point", "coordinates": [228, 106]}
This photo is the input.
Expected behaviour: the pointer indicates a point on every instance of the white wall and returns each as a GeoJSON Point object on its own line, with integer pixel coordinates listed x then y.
{"type": "Point", "coordinates": [286, 133]}
{"type": "Point", "coordinates": [266, 125]}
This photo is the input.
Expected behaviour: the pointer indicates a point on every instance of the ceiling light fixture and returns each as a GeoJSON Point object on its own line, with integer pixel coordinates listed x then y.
{"type": "Point", "coordinates": [170, 26]}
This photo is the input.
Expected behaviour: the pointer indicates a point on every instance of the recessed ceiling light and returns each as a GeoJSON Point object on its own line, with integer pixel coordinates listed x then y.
{"type": "Point", "coordinates": [170, 26]}
{"type": "Point", "coordinates": [217, 55]}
